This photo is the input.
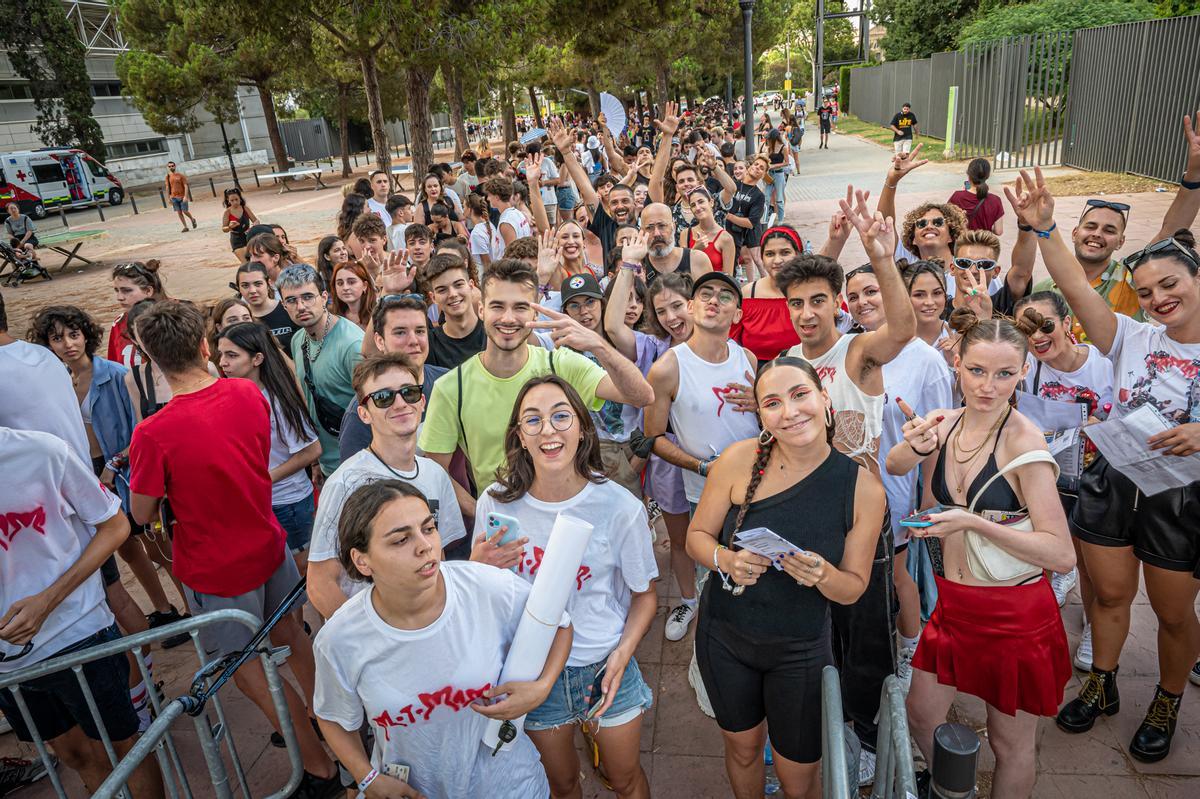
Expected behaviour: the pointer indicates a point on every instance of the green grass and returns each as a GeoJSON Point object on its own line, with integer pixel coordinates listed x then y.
{"type": "Point", "coordinates": [853, 126]}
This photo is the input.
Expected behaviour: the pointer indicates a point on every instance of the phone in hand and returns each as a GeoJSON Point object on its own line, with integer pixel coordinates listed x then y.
{"type": "Point", "coordinates": [497, 520]}
{"type": "Point", "coordinates": [916, 521]}
{"type": "Point", "coordinates": [596, 696]}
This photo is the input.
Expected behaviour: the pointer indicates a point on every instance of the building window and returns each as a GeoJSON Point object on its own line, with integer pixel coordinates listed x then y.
{"type": "Point", "coordinates": [108, 88]}
{"type": "Point", "coordinates": [14, 91]}
{"type": "Point", "coordinates": [131, 149]}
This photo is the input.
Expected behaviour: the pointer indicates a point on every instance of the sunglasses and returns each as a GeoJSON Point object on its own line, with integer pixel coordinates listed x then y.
{"type": "Point", "coordinates": [386, 397]}
{"type": "Point", "coordinates": [860, 270]}
{"type": "Point", "coordinates": [131, 268]}
{"type": "Point", "coordinates": [966, 264]}
{"type": "Point", "coordinates": [937, 221]}
{"type": "Point", "coordinates": [1169, 246]}
{"type": "Point", "coordinates": [25, 650]}
{"type": "Point", "coordinates": [1120, 208]}
{"type": "Point", "coordinates": [398, 297]}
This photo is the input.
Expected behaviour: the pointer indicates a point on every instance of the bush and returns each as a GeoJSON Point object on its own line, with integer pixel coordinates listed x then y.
{"type": "Point", "coordinates": [844, 84]}
{"type": "Point", "coordinates": [1046, 16]}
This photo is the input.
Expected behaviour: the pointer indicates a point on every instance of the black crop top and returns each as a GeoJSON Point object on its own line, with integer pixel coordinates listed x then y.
{"type": "Point", "coordinates": [999, 495]}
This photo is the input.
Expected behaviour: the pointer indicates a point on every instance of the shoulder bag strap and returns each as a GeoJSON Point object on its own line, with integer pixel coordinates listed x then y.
{"type": "Point", "coordinates": [1037, 378]}
{"type": "Point", "coordinates": [308, 378]}
{"type": "Point", "coordinates": [459, 401]}
{"type": "Point", "coordinates": [1033, 456]}
{"type": "Point", "coordinates": [553, 371]}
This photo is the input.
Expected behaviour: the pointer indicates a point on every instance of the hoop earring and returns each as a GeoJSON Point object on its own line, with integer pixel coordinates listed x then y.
{"type": "Point", "coordinates": [765, 438]}
{"type": "Point", "coordinates": [828, 416]}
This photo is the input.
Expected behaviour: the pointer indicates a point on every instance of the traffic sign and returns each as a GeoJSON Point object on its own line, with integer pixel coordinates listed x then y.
{"type": "Point", "coordinates": [788, 74]}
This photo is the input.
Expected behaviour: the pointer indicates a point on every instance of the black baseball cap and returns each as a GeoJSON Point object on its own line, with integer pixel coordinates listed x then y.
{"type": "Point", "coordinates": [581, 285]}
{"type": "Point", "coordinates": [709, 277]}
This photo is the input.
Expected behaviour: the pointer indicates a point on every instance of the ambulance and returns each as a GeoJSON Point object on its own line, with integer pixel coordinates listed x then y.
{"type": "Point", "coordinates": [40, 181]}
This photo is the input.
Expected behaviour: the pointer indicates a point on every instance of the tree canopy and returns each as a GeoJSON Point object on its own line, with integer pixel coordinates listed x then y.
{"type": "Point", "coordinates": [1045, 16]}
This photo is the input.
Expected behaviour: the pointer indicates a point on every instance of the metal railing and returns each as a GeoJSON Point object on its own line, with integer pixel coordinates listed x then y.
{"type": "Point", "coordinates": [894, 775]}
{"type": "Point", "coordinates": [835, 781]}
{"type": "Point", "coordinates": [158, 737]}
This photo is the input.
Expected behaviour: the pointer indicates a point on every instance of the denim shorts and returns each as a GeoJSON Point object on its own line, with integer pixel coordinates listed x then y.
{"type": "Point", "coordinates": [179, 203]}
{"type": "Point", "coordinates": [296, 519]}
{"type": "Point", "coordinates": [567, 702]}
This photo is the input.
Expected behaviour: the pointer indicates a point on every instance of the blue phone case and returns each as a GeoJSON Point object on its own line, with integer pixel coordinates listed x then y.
{"type": "Point", "coordinates": [915, 519]}
{"type": "Point", "coordinates": [497, 520]}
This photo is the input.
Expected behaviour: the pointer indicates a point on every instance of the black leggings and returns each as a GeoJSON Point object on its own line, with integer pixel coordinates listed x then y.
{"type": "Point", "coordinates": [748, 680]}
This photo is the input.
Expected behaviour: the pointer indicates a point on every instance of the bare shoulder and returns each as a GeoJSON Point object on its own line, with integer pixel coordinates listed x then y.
{"type": "Point", "coordinates": [868, 489]}
{"type": "Point", "coordinates": [1021, 435]}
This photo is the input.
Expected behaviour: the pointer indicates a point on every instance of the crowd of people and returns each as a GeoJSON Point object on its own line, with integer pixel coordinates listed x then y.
{"type": "Point", "coordinates": [624, 330]}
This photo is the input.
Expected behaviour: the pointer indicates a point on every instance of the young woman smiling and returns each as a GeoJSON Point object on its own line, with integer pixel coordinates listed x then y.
{"type": "Point", "coordinates": [708, 236]}
{"type": "Point", "coordinates": [353, 293]}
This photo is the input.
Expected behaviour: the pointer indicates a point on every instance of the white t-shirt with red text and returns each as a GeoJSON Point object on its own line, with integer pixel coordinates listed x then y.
{"type": "Point", "coordinates": [417, 686]}
{"type": "Point", "coordinates": [49, 508]}
{"type": "Point", "coordinates": [1153, 369]}
{"type": "Point", "coordinates": [618, 561]}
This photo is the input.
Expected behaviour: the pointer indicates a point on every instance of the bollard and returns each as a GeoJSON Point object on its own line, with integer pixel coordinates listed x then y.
{"type": "Point", "coordinates": [256, 183]}
{"type": "Point", "coordinates": [133, 204]}
{"type": "Point", "coordinates": [99, 210]}
{"type": "Point", "coordinates": [162, 197]}
{"type": "Point", "coordinates": [952, 767]}
{"type": "Point", "coordinates": [212, 187]}
{"type": "Point", "coordinates": [62, 216]}
{"type": "Point", "coordinates": [355, 156]}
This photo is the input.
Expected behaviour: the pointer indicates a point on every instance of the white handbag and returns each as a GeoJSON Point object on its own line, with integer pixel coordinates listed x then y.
{"type": "Point", "coordinates": [987, 560]}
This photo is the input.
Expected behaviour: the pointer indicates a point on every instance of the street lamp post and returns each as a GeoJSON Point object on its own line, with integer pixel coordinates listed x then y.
{"type": "Point", "coordinates": [748, 78]}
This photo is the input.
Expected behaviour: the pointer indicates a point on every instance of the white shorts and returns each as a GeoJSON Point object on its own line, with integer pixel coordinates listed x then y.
{"type": "Point", "coordinates": [902, 146]}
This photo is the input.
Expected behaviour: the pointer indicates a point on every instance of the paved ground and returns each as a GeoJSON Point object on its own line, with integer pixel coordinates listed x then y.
{"type": "Point", "coordinates": [681, 748]}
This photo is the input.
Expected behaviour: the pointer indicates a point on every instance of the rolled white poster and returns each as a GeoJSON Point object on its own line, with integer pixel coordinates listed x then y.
{"type": "Point", "coordinates": [552, 588]}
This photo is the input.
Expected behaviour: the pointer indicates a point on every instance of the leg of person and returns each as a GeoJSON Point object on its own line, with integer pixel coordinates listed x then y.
{"type": "Point", "coordinates": [927, 705]}
{"type": "Point", "coordinates": [792, 693]}
{"type": "Point", "coordinates": [560, 759]}
{"type": "Point", "coordinates": [908, 620]}
{"type": "Point", "coordinates": [252, 682]}
{"type": "Point", "coordinates": [798, 780]}
{"type": "Point", "coordinates": [158, 547]}
{"type": "Point", "coordinates": [684, 569]}
{"type": "Point", "coordinates": [744, 761]}
{"type": "Point", "coordinates": [134, 555]}
{"type": "Point", "coordinates": [780, 188]}
{"type": "Point", "coordinates": [1013, 741]}
{"type": "Point", "coordinates": [620, 752]}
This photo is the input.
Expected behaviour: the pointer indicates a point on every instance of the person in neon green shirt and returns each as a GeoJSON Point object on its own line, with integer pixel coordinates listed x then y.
{"type": "Point", "coordinates": [471, 404]}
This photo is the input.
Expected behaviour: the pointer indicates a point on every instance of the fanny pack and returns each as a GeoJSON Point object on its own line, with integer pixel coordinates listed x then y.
{"type": "Point", "coordinates": [329, 415]}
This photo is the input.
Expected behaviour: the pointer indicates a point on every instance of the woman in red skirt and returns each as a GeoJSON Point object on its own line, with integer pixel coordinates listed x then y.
{"type": "Point", "coordinates": [995, 632]}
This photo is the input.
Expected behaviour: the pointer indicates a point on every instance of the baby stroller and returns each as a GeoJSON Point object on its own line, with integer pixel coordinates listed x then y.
{"type": "Point", "coordinates": [24, 267]}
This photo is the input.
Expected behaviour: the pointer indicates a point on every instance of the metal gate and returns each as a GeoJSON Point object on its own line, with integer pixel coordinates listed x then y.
{"type": "Point", "coordinates": [308, 139]}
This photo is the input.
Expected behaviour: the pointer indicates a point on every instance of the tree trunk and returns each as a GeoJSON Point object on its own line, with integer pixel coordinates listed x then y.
{"type": "Point", "coordinates": [420, 130]}
{"type": "Point", "coordinates": [272, 123]}
{"type": "Point", "coordinates": [379, 140]}
{"type": "Point", "coordinates": [537, 110]}
{"type": "Point", "coordinates": [662, 76]}
{"type": "Point", "coordinates": [593, 100]}
{"type": "Point", "coordinates": [343, 106]}
{"type": "Point", "coordinates": [454, 96]}
{"type": "Point", "coordinates": [508, 118]}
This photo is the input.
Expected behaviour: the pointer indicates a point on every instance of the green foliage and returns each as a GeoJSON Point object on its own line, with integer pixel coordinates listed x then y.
{"type": "Point", "coordinates": [844, 87]}
{"type": "Point", "coordinates": [44, 49]}
{"type": "Point", "coordinates": [919, 28]}
{"type": "Point", "coordinates": [1176, 8]}
{"type": "Point", "coordinates": [1044, 16]}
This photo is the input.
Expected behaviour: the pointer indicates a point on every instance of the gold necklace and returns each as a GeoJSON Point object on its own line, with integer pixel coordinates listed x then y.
{"type": "Point", "coordinates": [961, 477]}
{"type": "Point", "coordinates": [973, 452]}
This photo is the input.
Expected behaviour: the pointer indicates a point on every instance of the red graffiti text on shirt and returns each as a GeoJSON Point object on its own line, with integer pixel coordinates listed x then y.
{"type": "Point", "coordinates": [532, 562]}
{"type": "Point", "coordinates": [454, 698]}
{"type": "Point", "coordinates": [14, 522]}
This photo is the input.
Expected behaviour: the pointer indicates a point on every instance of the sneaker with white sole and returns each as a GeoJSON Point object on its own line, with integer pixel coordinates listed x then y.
{"type": "Point", "coordinates": [1083, 653]}
{"type": "Point", "coordinates": [17, 772]}
{"type": "Point", "coordinates": [1062, 585]}
{"type": "Point", "coordinates": [1194, 674]}
{"type": "Point", "coordinates": [904, 667]}
{"type": "Point", "coordinates": [866, 768]}
{"type": "Point", "coordinates": [678, 620]}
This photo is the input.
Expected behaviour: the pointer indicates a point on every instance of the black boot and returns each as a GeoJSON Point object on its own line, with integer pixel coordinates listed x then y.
{"type": "Point", "coordinates": [1098, 696]}
{"type": "Point", "coordinates": [1152, 741]}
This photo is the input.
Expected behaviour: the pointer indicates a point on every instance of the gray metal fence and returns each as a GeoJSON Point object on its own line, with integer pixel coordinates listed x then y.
{"type": "Point", "coordinates": [1131, 85]}
{"type": "Point", "coordinates": [308, 139]}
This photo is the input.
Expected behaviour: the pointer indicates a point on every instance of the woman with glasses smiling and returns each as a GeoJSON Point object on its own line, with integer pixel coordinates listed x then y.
{"type": "Point", "coordinates": [1156, 365]}
{"type": "Point", "coordinates": [552, 466]}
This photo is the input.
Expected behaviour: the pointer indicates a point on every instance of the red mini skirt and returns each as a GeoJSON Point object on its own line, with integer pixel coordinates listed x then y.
{"type": "Point", "coordinates": [1003, 644]}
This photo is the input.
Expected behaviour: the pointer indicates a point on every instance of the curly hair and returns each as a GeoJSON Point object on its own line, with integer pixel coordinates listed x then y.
{"type": "Point", "coordinates": [48, 320]}
{"type": "Point", "coordinates": [956, 223]}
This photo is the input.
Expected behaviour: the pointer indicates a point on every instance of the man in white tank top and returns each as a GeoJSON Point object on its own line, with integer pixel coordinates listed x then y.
{"type": "Point", "coordinates": [851, 369]}
{"type": "Point", "coordinates": [696, 391]}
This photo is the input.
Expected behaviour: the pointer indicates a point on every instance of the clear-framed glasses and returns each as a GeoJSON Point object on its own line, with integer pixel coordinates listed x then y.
{"type": "Point", "coordinates": [307, 298]}
{"type": "Point", "coordinates": [723, 296]}
{"type": "Point", "coordinates": [533, 424]}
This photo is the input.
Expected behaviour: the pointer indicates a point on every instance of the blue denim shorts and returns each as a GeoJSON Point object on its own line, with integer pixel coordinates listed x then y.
{"type": "Point", "coordinates": [296, 519]}
{"type": "Point", "coordinates": [567, 702]}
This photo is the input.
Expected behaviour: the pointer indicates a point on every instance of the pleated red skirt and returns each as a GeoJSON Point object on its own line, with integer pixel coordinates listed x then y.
{"type": "Point", "coordinates": [1003, 644]}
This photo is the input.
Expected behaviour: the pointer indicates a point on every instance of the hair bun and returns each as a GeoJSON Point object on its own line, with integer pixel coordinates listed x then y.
{"type": "Point", "coordinates": [962, 320]}
{"type": "Point", "coordinates": [152, 265]}
{"type": "Point", "coordinates": [1029, 321]}
{"type": "Point", "coordinates": [1185, 237]}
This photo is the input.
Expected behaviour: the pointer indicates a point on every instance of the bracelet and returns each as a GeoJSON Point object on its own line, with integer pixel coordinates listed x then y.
{"type": "Point", "coordinates": [891, 185]}
{"type": "Point", "coordinates": [1024, 227]}
{"type": "Point", "coordinates": [1045, 234]}
{"type": "Point", "coordinates": [544, 289]}
{"type": "Point", "coordinates": [632, 267]}
{"type": "Point", "coordinates": [919, 452]}
{"type": "Point", "coordinates": [1190, 185]}
{"type": "Point", "coordinates": [367, 780]}
{"type": "Point", "coordinates": [717, 566]}
{"type": "Point", "coordinates": [702, 467]}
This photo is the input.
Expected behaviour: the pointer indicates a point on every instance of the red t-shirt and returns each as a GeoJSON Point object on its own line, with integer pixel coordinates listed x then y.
{"type": "Point", "coordinates": [207, 452]}
{"type": "Point", "coordinates": [985, 217]}
{"type": "Point", "coordinates": [120, 346]}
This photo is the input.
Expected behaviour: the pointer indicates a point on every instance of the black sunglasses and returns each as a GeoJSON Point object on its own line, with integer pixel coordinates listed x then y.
{"type": "Point", "coordinates": [25, 650]}
{"type": "Point", "coordinates": [1120, 208]}
{"type": "Point", "coordinates": [1170, 246]}
{"type": "Point", "coordinates": [937, 221]}
{"type": "Point", "coordinates": [386, 397]}
{"type": "Point", "coordinates": [859, 270]}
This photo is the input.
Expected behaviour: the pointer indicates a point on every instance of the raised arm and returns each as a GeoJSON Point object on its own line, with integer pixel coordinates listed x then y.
{"type": "Point", "coordinates": [620, 334]}
{"type": "Point", "coordinates": [902, 164]}
{"type": "Point", "coordinates": [668, 125]}
{"type": "Point", "coordinates": [1034, 206]}
{"type": "Point", "coordinates": [623, 381]}
{"type": "Point", "coordinates": [562, 140]}
{"type": "Point", "coordinates": [616, 162]}
{"type": "Point", "coordinates": [533, 176]}
{"type": "Point", "coordinates": [717, 170]}
{"type": "Point", "coordinates": [1182, 213]}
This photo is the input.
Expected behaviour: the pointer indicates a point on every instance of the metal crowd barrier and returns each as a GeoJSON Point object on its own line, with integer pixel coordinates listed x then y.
{"type": "Point", "coordinates": [835, 781]}
{"type": "Point", "coordinates": [894, 775]}
{"type": "Point", "coordinates": [158, 738]}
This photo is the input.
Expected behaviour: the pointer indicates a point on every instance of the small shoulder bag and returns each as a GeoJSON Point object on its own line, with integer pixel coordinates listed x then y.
{"type": "Point", "coordinates": [987, 560]}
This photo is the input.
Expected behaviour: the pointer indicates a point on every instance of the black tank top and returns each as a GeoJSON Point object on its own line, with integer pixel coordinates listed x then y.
{"type": "Point", "coordinates": [446, 201]}
{"type": "Point", "coordinates": [999, 495]}
{"type": "Point", "coordinates": [684, 267]}
{"type": "Point", "coordinates": [144, 380]}
{"type": "Point", "coordinates": [815, 514]}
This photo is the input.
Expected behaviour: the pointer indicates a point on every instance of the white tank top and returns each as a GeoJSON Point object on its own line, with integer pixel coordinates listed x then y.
{"type": "Point", "coordinates": [857, 416]}
{"type": "Point", "coordinates": [703, 422]}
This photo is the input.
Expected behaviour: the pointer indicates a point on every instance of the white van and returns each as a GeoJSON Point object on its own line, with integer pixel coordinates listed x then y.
{"type": "Point", "coordinates": [53, 177]}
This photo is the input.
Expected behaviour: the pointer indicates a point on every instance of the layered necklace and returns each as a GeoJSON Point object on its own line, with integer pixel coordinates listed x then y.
{"type": "Point", "coordinates": [969, 456]}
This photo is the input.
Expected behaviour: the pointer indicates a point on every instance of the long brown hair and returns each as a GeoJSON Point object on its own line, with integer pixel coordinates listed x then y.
{"type": "Point", "coordinates": [515, 477]}
{"type": "Point", "coordinates": [366, 305]}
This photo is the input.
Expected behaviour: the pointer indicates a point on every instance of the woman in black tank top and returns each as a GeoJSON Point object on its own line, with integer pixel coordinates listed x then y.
{"type": "Point", "coordinates": [999, 641]}
{"type": "Point", "coordinates": [764, 634]}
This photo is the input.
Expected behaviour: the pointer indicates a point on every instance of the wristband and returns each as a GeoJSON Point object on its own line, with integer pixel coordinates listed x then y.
{"type": "Point", "coordinates": [367, 780]}
{"type": "Point", "coordinates": [702, 467]}
{"type": "Point", "coordinates": [1045, 234]}
{"type": "Point", "coordinates": [919, 452]}
{"type": "Point", "coordinates": [1024, 227]}
{"type": "Point", "coordinates": [544, 289]}
{"type": "Point", "coordinates": [1190, 185]}
{"type": "Point", "coordinates": [717, 567]}
{"type": "Point", "coordinates": [632, 267]}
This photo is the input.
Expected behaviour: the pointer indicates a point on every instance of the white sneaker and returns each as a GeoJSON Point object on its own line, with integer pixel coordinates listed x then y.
{"type": "Point", "coordinates": [678, 621]}
{"type": "Point", "coordinates": [904, 667]}
{"type": "Point", "coordinates": [1062, 585]}
{"type": "Point", "coordinates": [866, 768]}
{"type": "Point", "coordinates": [1083, 654]}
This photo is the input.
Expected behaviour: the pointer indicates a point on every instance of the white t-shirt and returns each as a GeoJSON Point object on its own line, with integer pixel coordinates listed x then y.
{"type": "Point", "coordinates": [919, 376]}
{"type": "Point", "coordinates": [48, 511]}
{"type": "Point", "coordinates": [36, 393]}
{"type": "Point", "coordinates": [417, 686]}
{"type": "Point", "coordinates": [618, 561]}
{"type": "Point", "coordinates": [1094, 377]}
{"type": "Point", "coordinates": [549, 172]}
{"type": "Point", "coordinates": [518, 221]}
{"type": "Point", "coordinates": [1152, 368]}
{"type": "Point", "coordinates": [396, 235]}
{"type": "Point", "coordinates": [381, 209]}
{"type": "Point", "coordinates": [361, 468]}
{"type": "Point", "coordinates": [284, 444]}
{"type": "Point", "coordinates": [486, 240]}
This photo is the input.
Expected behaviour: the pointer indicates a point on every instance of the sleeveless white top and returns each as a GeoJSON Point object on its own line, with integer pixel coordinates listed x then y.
{"type": "Point", "coordinates": [857, 416]}
{"type": "Point", "coordinates": [703, 422]}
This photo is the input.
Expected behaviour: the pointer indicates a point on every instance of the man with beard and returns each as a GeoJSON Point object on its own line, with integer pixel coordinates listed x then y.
{"type": "Point", "coordinates": [470, 405]}
{"type": "Point", "coordinates": [606, 217]}
{"type": "Point", "coordinates": [664, 255]}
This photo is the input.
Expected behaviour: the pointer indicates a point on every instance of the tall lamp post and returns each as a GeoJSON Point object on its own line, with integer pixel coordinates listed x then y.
{"type": "Point", "coordinates": [748, 77]}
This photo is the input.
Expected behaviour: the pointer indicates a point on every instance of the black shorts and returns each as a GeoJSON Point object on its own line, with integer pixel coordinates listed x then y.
{"type": "Point", "coordinates": [110, 571]}
{"type": "Point", "coordinates": [826, 127]}
{"type": "Point", "coordinates": [748, 680]}
{"type": "Point", "coordinates": [1162, 529]}
{"type": "Point", "coordinates": [57, 704]}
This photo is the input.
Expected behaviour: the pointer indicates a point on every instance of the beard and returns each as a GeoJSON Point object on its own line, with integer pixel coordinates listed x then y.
{"type": "Point", "coordinates": [660, 248]}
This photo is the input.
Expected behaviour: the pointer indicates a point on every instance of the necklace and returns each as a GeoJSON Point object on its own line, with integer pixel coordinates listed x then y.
{"type": "Point", "coordinates": [971, 453]}
{"type": "Point", "coordinates": [404, 477]}
{"type": "Point", "coordinates": [319, 345]}
{"type": "Point", "coordinates": [961, 477]}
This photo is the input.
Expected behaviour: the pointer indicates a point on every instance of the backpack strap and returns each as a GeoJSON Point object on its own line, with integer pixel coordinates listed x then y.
{"type": "Point", "coordinates": [1033, 456]}
{"type": "Point", "coordinates": [462, 431]}
{"type": "Point", "coordinates": [553, 371]}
